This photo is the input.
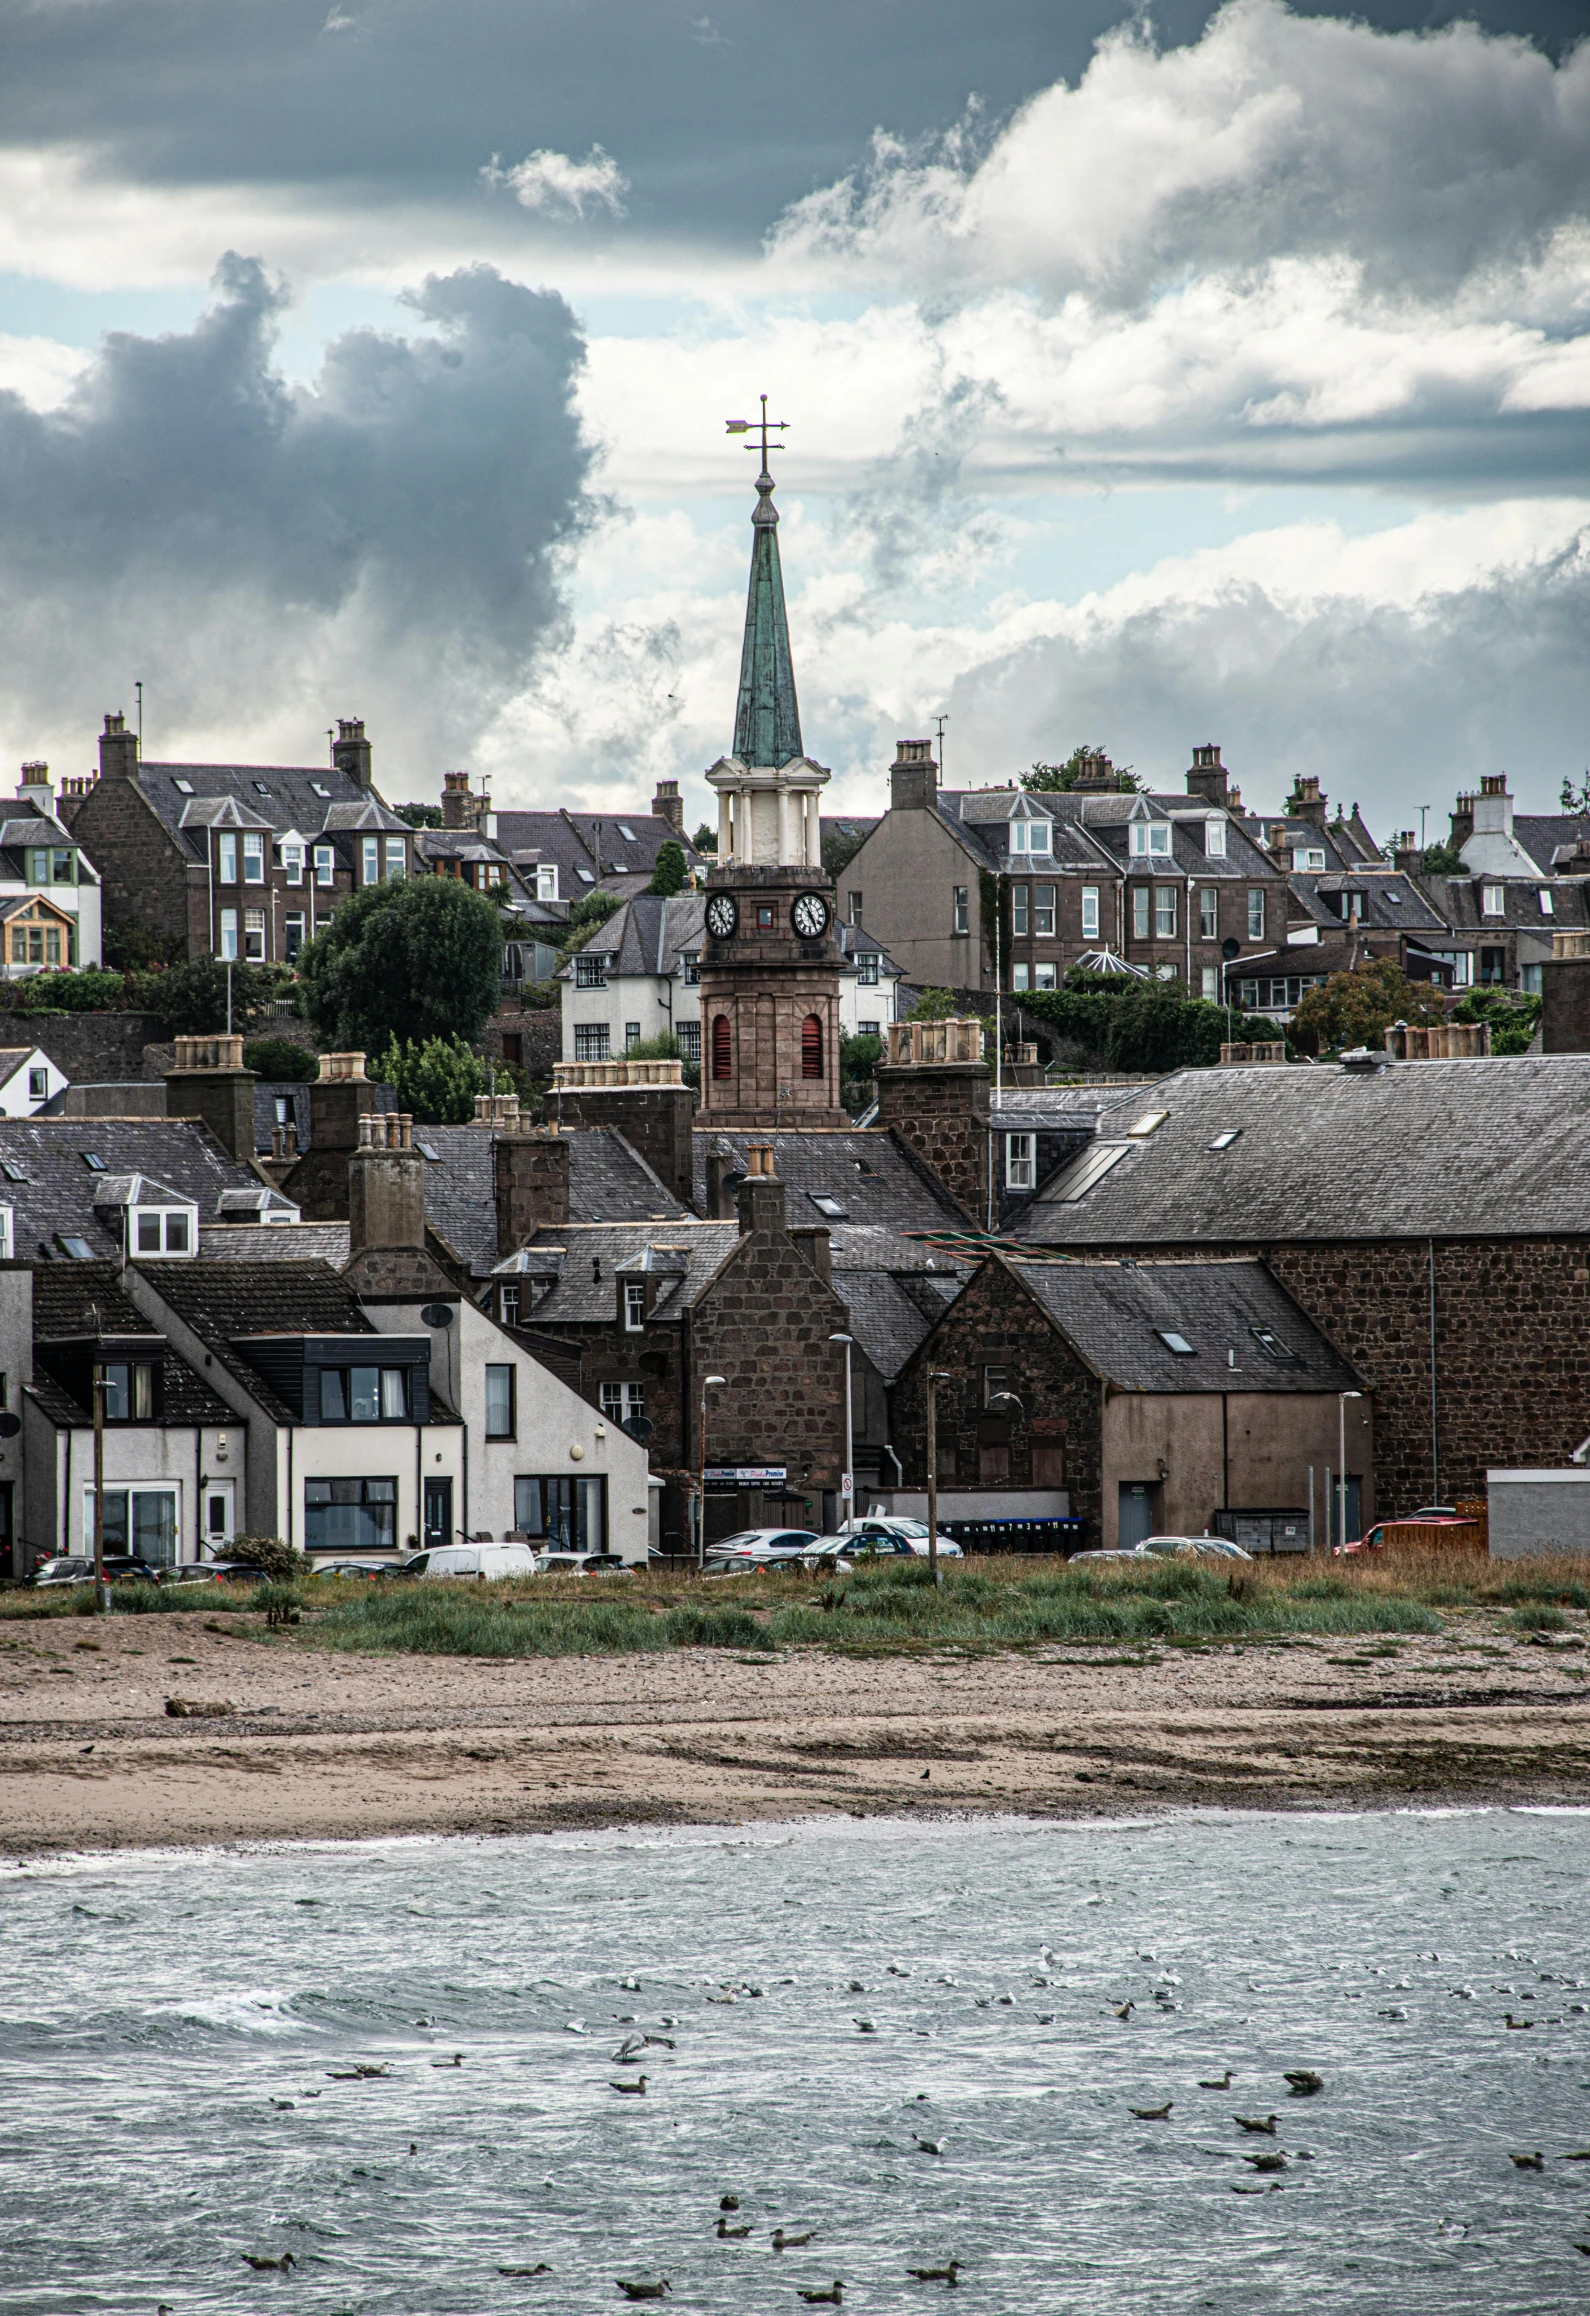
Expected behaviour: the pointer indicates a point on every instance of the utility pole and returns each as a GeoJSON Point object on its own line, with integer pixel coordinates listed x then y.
{"type": "Point", "coordinates": [707, 1384]}
{"type": "Point", "coordinates": [139, 689]}
{"type": "Point", "coordinates": [847, 1485]}
{"type": "Point", "coordinates": [934, 1379]}
{"type": "Point", "coordinates": [941, 721]}
{"type": "Point", "coordinates": [101, 1588]}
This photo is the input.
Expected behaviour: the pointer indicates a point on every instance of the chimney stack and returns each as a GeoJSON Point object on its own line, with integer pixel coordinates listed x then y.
{"type": "Point", "coordinates": [1462, 821]}
{"type": "Point", "coordinates": [386, 1186]}
{"type": "Point", "coordinates": [338, 1099]}
{"type": "Point", "coordinates": [1207, 776]}
{"type": "Point", "coordinates": [761, 1194]}
{"type": "Point", "coordinates": [667, 804]}
{"type": "Point", "coordinates": [118, 750]}
{"type": "Point", "coordinates": [207, 1081]}
{"type": "Point", "coordinates": [1405, 853]}
{"type": "Point", "coordinates": [530, 1182]}
{"type": "Point", "coordinates": [1095, 773]}
{"type": "Point", "coordinates": [350, 752]}
{"type": "Point", "coordinates": [1306, 803]}
{"type": "Point", "coordinates": [933, 1094]}
{"type": "Point", "coordinates": [34, 788]}
{"type": "Point", "coordinates": [459, 808]}
{"type": "Point", "coordinates": [913, 776]}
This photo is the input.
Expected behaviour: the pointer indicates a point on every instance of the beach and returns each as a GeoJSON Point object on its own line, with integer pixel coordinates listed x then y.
{"type": "Point", "coordinates": [324, 1745]}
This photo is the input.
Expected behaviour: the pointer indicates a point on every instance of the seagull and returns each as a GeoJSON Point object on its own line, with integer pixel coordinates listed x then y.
{"type": "Point", "coordinates": [1224, 2083]}
{"type": "Point", "coordinates": [282, 2265]}
{"type": "Point", "coordinates": [643, 2291]}
{"type": "Point", "coordinates": [283, 2102]}
{"type": "Point", "coordinates": [540, 2269]}
{"type": "Point", "coordinates": [628, 2048]}
{"type": "Point", "coordinates": [1264, 2123]}
{"type": "Point", "coordinates": [456, 2060]}
{"type": "Point", "coordinates": [950, 2273]}
{"type": "Point", "coordinates": [930, 2146]}
{"type": "Point", "coordinates": [866, 2026]}
{"type": "Point", "coordinates": [658, 2042]}
{"type": "Point", "coordinates": [1123, 2009]}
{"type": "Point", "coordinates": [829, 2299]}
{"type": "Point", "coordinates": [1152, 2114]}
{"type": "Point", "coordinates": [359, 2074]}
{"type": "Point", "coordinates": [1535, 2162]}
{"type": "Point", "coordinates": [1518, 2025]}
{"type": "Point", "coordinates": [635, 2090]}
{"type": "Point", "coordinates": [728, 2235]}
{"type": "Point", "coordinates": [1304, 2082]}
{"type": "Point", "coordinates": [1275, 2162]}
{"type": "Point", "coordinates": [784, 2243]}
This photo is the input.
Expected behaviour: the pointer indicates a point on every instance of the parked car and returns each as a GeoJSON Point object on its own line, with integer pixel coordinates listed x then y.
{"type": "Point", "coordinates": [353, 1568]}
{"type": "Point", "coordinates": [560, 1563]}
{"type": "Point", "coordinates": [1170, 1548]}
{"type": "Point", "coordinates": [754, 1548]}
{"type": "Point", "coordinates": [78, 1568]}
{"type": "Point", "coordinates": [881, 1533]}
{"type": "Point", "coordinates": [486, 1563]}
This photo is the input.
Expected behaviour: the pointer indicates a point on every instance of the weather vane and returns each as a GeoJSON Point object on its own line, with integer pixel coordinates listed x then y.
{"type": "Point", "coordinates": [758, 425]}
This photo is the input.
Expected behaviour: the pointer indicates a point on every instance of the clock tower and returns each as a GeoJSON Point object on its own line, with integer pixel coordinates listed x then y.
{"type": "Point", "coordinates": [770, 956]}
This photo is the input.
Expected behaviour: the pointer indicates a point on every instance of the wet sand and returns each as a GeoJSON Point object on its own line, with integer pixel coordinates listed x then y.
{"type": "Point", "coordinates": [334, 1746]}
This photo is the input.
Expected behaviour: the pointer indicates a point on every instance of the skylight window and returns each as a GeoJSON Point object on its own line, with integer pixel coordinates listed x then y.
{"type": "Point", "coordinates": [428, 1150]}
{"type": "Point", "coordinates": [1149, 1123]}
{"type": "Point", "coordinates": [12, 1171]}
{"type": "Point", "coordinates": [585, 876]}
{"type": "Point", "coordinates": [628, 834]}
{"type": "Point", "coordinates": [94, 1163]}
{"type": "Point", "coordinates": [78, 1248]}
{"type": "Point", "coordinates": [829, 1208]}
{"type": "Point", "coordinates": [1393, 892]}
{"type": "Point", "coordinates": [319, 791]}
{"type": "Point", "coordinates": [182, 787]}
{"type": "Point", "coordinates": [1173, 1341]}
{"type": "Point", "coordinates": [1089, 1169]}
{"type": "Point", "coordinates": [1225, 1140]}
{"type": "Point", "coordinates": [260, 788]}
{"type": "Point", "coordinates": [1548, 905]}
{"type": "Point", "coordinates": [1271, 1344]}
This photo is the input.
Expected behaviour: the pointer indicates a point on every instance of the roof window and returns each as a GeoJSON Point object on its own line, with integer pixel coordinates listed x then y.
{"type": "Point", "coordinates": [1174, 1341]}
{"type": "Point", "coordinates": [428, 1150]}
{"type": "Point", "coordinates": [627, 833]}
{"type": "Point", "coordinates": [1089, 1169]}
{"type": "Point", "coordinates": [1151, 839]}
{"type": "Point", "coordinates": [1271, 1345]}
{"type": "Point", "coordinates": [182, 787]}
{"type": "Point", "coordinates": [1548, 905]}
{"type": "Point", "coordinates": [92, 1160]}
{"type": "Point", "coordinates": [12, 1171]}
{"type": "Point", "coordinates": [585, 876]}
{"type": "Point", "coordinates": [1225, 1140]}
{"type": "Point", "coordinates": [829, 1208]}
{"type": "Point", "coordinates": [318, 789]}
{"type": "Point", "coordinates": [78, 1248]}
{"type": "Point", "coordinates": [261, 789]}
{"type": "Point", "coordinates": [1149, 1123]}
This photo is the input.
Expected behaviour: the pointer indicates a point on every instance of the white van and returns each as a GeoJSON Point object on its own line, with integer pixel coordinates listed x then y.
{"type": "Point", "coordinates": [487, 1562]}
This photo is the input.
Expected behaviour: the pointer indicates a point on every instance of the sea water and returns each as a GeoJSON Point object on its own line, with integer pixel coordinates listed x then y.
{"type": "Point", "coordinates": [828, 1997]}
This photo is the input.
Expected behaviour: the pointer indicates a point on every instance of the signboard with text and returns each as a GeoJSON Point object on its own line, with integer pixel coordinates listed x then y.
{"type": "Point", "coordinates": [729, 1479]}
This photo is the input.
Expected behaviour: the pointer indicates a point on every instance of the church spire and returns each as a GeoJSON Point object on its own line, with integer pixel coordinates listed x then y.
{"type": "Point", "coordinates": [767, 719]}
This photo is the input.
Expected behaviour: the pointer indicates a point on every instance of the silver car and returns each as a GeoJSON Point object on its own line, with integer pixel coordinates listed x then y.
{"type": "Point", "coordinates": [1171, 1548]}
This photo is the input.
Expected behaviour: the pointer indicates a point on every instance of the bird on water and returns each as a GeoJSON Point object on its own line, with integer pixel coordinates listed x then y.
{"type": "Point", "coordinates": [635, 2090]}
{"type": "Point", "coordinates": [832, 2298]}
{"type": "Point", "coordinates": [950, 2273]}
{"type": "Point", "coordinates": [1153, 2114]}
{"type": "Point", "coordinates": [1264, 2123]}
{"type": "Point", "coordinates": [264, 2266]}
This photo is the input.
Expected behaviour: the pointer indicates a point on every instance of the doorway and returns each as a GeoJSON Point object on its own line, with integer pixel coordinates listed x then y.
{"type": "Point", "coordinates": [438, 1514]}
{"type": "Point", "coordinates": [1136, 1522]}
{"type": "Point", "coordinates": [219, 1517]}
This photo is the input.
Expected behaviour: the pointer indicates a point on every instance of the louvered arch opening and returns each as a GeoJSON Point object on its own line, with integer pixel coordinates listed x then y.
{"type": "Point", "coordinates": [811, 1047]}
{"type": "Point", "coordinates": [722, 1058]}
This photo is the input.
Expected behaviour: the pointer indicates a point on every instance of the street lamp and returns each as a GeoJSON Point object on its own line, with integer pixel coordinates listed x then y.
{"type": "Point", "coordinates": [935, 1376]}
{"type": "Point", "coordinates": [1342, 1397]}
{"type": "Point", "coordinates": [709, 1382]}
{"type": "Point", "coordinates": [847, 1485]}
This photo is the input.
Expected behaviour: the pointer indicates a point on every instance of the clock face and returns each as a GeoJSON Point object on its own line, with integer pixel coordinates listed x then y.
{"type": "Point", "coordinates": [723, 917]}
{"type": "Point", "coordinates": [809, 916]}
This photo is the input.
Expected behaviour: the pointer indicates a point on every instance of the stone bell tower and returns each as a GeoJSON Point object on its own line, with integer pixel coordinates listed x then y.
{"type": "Point", "coordinates": [770, 956]}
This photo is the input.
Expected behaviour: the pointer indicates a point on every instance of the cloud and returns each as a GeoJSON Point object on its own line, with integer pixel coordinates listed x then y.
{"type": "Point", "coordinates": [252, 549]}
{"type": "Point", "coordinates": [560, 187]}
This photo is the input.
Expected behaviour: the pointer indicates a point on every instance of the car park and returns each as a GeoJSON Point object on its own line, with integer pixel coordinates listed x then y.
{"type": "Point", "coordinates": [756, 1548]}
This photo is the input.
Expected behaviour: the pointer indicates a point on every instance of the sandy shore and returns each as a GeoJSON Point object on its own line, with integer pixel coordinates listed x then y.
{"type": "Point", "coordinates": [339, 1746]}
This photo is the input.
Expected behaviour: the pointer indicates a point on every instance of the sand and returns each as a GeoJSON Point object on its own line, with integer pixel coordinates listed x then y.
{"type": "Point", "coordinates": [335, 1746]}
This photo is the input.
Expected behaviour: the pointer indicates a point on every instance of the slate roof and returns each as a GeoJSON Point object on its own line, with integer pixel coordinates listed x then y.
{"type": "Point", "coordinates": [1109, 829]}
{"type": "Point", "coordinates": [1458, 901]}
{"type": "Point", "coordinates": [891, 1313]}
{"type": "Point", "coordinates": [647, 935]}
{"type": "Point", "coordinates": [874, 1177]}
{"type": "Point", "coordinates": [1117, 1316]}
{"type": "Point", "coordinates": [1063, 1109]}
{"type": "Point", "coordinates": [1340, 851]}
{"type": "Point", "coordinates": [980, 819]}
{"type": "Point", "coordinates": [71, 1300]}
{"type": "Point", "coordinates": [1549, 838]}
{"type": "Point", "coordinates": [608, 1182]}
{"type": "Point", "coordinates": [57, 1197]}
{"type": "Point", "coordinates": [22, 826]}
{"type": "Point", "coordinates": [223, 1301]}
{"type": "Point", "coordinates": [594, 1255]}
{"type": "Point", "coordinates": [569, 840]}
{"type": "Point", "coordinates": [1445, 1149]}
{"type": "Point", "coordinates": [245, 1242]}
{"type": "Point", "coordinates": [1390, 902]}
{"type": "Point", "coordinates": [311, 799]}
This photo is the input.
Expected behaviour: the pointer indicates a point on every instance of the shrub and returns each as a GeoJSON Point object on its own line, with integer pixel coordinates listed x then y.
{"type": "Point", "coordinates": [269, 1554]}
{"type": "Point", "coordinates": [90, 991]}
{"type": "Point", "coordinates": [280, 1058]}
{"type": "Point", "coordinates": [436, 1082]}
{"type": "Point", "coordinates": [671, 873]}
{"type": "Point", "coordinates": [1513, 1014]}
{"type": "Point", "coordinates": [191, 1000]}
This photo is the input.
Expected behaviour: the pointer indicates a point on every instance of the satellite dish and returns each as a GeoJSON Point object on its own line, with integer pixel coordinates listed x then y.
{"type": "Point", "coordinates": [1230, 948]}
{"type": "Point", "coordinates": [639, 1428]}
{"type": "Point", "coordinates": [437, 1314]}
{"type": "Point", "coordinates": [10, 1425]}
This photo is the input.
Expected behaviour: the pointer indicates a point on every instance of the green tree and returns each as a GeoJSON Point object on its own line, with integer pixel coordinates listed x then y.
{"type": "Point", "coordinates": [935, 1005]}
{"type": "Point", "coordinates": [420, 815]}
{"type": "Point", "coordinates": [1514, 1016]}
{"type": "Point", "coordinates": [130, 947]}
{"type": "Point", "coordinates": [587, 916]}
{"type": "Point", "coordinates": [671, 873]}
{"type": "Point", "coordinates": [1358, 1008]}
{"type": "Point", "coordinates": [191, 1000]}
{"type": "Point", "coordinates": [841, 841]}
{"type": "Point", "coordinates": [1060, 779]}
{"type": "Point", "coordinates": [705, 839]}
{"type": "Point", "coordinates": [280, 1058]}
{"type": "Point", "coordinates": [419, 958]}
{"type": "Point", "coordinates": [665, 1047]}
{"type": "Point", "coordinates": [435, 1082]}
{"type": "Point", "coordinates": [1441, 860]}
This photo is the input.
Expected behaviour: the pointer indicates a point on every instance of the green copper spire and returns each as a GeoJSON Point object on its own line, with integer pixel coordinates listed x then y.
{"type": "Point", "coordinates": [767, 717]}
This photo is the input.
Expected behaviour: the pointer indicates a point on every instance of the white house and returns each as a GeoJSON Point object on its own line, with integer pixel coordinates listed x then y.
{"type": "Point", "coordinates": [28, 1080]}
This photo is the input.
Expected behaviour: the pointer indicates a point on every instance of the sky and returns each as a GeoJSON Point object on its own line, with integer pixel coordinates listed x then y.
{"type": "Point", "coordinates": [1151, 380]}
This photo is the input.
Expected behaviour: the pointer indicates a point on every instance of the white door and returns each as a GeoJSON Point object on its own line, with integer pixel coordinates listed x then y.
{"type": "Point", "coordinates": [216, 1517]}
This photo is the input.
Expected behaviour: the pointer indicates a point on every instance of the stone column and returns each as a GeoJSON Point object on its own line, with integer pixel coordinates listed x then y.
{"type": "Point", "coordinates": [725, 832]}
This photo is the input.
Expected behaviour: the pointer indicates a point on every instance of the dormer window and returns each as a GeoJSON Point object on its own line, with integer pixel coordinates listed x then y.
{"type": "Point", "coordinates": [129, 1390]}
{"type": "Point", "coordinates": [1029, 836]}
{"type": "Point", "coordinates": [546, 884]}
{"type": "Point", "coordinates": [1151, 840]}
{"type": "Point", "coordinates": [50, 865]}
{"type": "Point", "coordinates": [1214, 840]}
{"type": "Point", "coordinates": [1493, 901]}
{"type": "Point", "coordinates": [1548, 903]}
{"type": "Point", "coordinates": [1308, 859]}
{"type": "Point", "coordinates": [293, 862]}
{"type": "Point", "coordinates": [165, 1230]}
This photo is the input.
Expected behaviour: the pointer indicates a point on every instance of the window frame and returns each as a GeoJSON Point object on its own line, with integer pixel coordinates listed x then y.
{"type": "Point", "coordinates": [1020, 905]}
{"type": "Point", "coordinates": [1165, 912]}
{"type": "Point", "coordinates": [1090, 912]}
{"type": "Point", "coordinates": [1021, 1161]}
{"type": "Point", "coordinates": [591, 1041]}
{"type": "Point", "coordinates": [325, 866]}
{"type": "Point", "coordinates": [164, 1219]}
{"type": "Point", "coordinates": [316, 1507]}
{"type": "Point", "coordinates": [253, 858]}
{"type": "Point", "coordinates": [960, 910]}
{"type": "Point", "coordinates": [1209, 912]}
{"type": "Point", "coordinates": [634, 1306]}
{"type": "Point", "coordinates": [1256, 898]}
{"type": "Point", "coordinates": [1214, 840]}
{"type": "Point", "coordinates": [498, 1369]}
{"type": "Point", "coordinates": [1142, 912]}
{"type": "Point", "coordinates": [229, 936]}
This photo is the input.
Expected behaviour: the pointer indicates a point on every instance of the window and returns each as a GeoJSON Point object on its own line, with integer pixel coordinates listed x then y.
{"type": "Point", "coordinates": [867, 971]}
{"type": "Point", "coordinates": [1214, 840]}
{"type": "Point", "coordinates": [855, 908]}
{"type": "Point", "coordinates": [182, 787]}
{"type": "Point", "coordinates": [370, 859]}
{"type": "Point", "coordinates": [254, 935]}
{"type": "Point", "coordinates": [626, 832]}
{"type": "Point", "coordinates": [129, 1390]}
{"type": "Point", "coordinates": [293, 863]}
{"type": "Point", "coordinates": [1043, 976]}
{"type": "Point", "coordinates": [590, 972]}
{"type": "Point", "coordinates": [395, 865]}
{"type": "Point", "coordinates": [1142, 901]}
{"type": "Point", "coordinates": [565, 1514]}
{"type": "Point", "coordinates": [1493, 967]}
{"type": "Point", "coordinates": [50, 865]}
{"type": "Point", "coordinates": [631, 1035]}
{"type": "Point", "coordinates": [38, 1085]}
{"type": "Point", "coordinates": [229, 932]}
{"type": "Point", "coordinates": [546, 884]}
{"type": "Point", "coordinates": [722, 1063]}
{"type": "Point", "coordinates": [364, 1395]}
{"type": "Point", "coordinates": [1090, 912]}
{"type": "Point", "coordinates": [226, 871]}
{"type": "Point", "coordinates": [1149, 1123]}
{"type": "Point", "coordinates": [319, 788]}
{"type": "Point", "coordinates": [325, 865]}
{"type": "Point", "coordinates": [1019, 978]}
{"type": "Point", "coordinates": [7, 1249]}
{"type": "Point", "coordinates": [292, 934]}
{"type": "Point", "coordinates": [78, 1248]}
{"type": "Point", "coordinates": [261, 788]}
{"type": "Point", "coordinates": [692, 964]}
{"type": "Point", "coordinates": [995, 1383]}
{"type": "Point", "coordinates": [764, 917]}
{"type": "Point", "coordinates": [350, 1515]}
{"type": "Point", "coordinates": [1090, 1168]}
{"type": "Point", "coordinates": [1021, 1161]}
{"type": "Point", "coordinates": [1224, 1140]}
{"type": "Point", "coordinates": [1271, 1344]}
{"type": "Point", "coordinates": [811, 1047]}
{"type": "Point", "coordinates": [1043, 911]}
{"type": "Point", "coordinates": [138, 1520]}
{"type": "Point", "coordinates": [623, 1402]}
{"type": "Point", "coordinates": [1349, 906]}
{"type": "Point", "coordinates": [1018, 910]}
{"type": "Point", "coordinates": [590, 1041]}
{"type": "Point", "coordinates": [165, 1230]}
{"type": "Point", "coordinates": [1164, 912]}
{"type": "Point", "coordinates": [1029, 836]}
{"type": "Point", "coordinates": [1255, 915]}
{"type": "Point", "coordinates": [36, 945]}
{"type": "Point", "coordinates": [508, 1304]}
{"type": "Point", "coordinates": [830, 1208]}
{"type": "Point", "coordinates": [689, 1035]}
{"type": "Point", "coordinates": [961, 919]}
{"type": "Point", "coordinates": [1309, 859]}
{"type": "Point", "coordinates": [1173, 1341]}
{"type": "Point", "coordinates": [92, 1160]}
{"type": "Point", "coordinates": [253, 860]}
{"type": "Point", "coordinates": [1209, 914]}
{"type": "Point", "coordinates": [634, 1306]}
{"type": "Point", "coordinates": [1209, 984]}
{"type": "Point", "coordinates": [1548, 904]}
{"type": "Point", "coordinates": [499, 1402]}
{"type": "Point", "coordinates": [1150, 839]}
{"type": "Point", "coordinates": [12, 1171]}
{"type": "Point", "coordinates": [869, 1029]}
{"type": "Point", "coordinates": [1493, 901]}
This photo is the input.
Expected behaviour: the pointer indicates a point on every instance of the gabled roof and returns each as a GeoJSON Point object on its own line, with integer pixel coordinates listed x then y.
{"type": "Point", "coordinates": [274, 796]}
{"type": "Point", "coordinates": [1459, 903]}
{"type": "Point", "coordinates": [261, 1242]}
{"type": "Point", "coordinates": [608, 1182]}
{"type": "Point", "coordinates": [1118, 1316]}
{"type": "Point", "coordinates": [868, 1174]}
{"type": "Point", "coordinates": [647, 935]}
{"type": "Point", "coordinates": [1392, 902]}
{"type": "Point", "coordinates": [1547, 837]}
{"type": "Point", "coordinates": [1442, 1149]}
{"type": "Point", "coordinates": [74, 1300]}
{"type": "Point", "coordinates": [586, 1262]}
{"type": "Point", "coordinates": [60, 1193]}
{"type": "Point", "coordinates": [567, 840]}
{"type": "Point", "coordinates": [1071, 844]}
{"type": "Point", "coordinates": [226, 1302]}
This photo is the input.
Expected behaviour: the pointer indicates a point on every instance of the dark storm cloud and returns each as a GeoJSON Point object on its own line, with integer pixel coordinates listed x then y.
{"type": "Point", "coordinates": [405, 514]}
{"type": "Point", "coordinates": [719, 112]}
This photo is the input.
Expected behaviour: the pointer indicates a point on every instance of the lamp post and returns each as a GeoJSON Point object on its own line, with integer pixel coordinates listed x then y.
{"type": "Point", "coordinates": [101, 1588]}
{"type": "Point", "coordinates": [847, 1485]}
{"type": "Point", "coordinates": [709, 1383]}
{"type": "Point", "coordinates": [935, 1376]}
{"type": "Point", "coordinates": [1342, 1397]}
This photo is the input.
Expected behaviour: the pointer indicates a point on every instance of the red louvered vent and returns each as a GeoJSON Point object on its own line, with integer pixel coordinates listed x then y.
{"type": "Point", "coordinates": [811, 1047]}
{"type": "Point", "coordinates": [721, 1064]}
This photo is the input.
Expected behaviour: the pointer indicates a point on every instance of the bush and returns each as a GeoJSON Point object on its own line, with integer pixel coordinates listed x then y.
{"type": "Point", "coordinates": [586, 917]}
{"type": "Point", "coordinates": [279, 1058]}
{"type": "Point", "coordinates": [90, 991]}
{"type": "Point", "coordinates": [269, 1554]}
{"type": "Point", "coordinates": [190, 1000]}
{"type": "Point", "coordinates": [1513, 1014]}
{"type": "Point", "coordinates": [1146, 1028]}
{"type": "Point", "coordinates": [665, 1047]}
{"type": "Point", "coordinates": [436, 1082]}
{"type": "Point", "coordinates": [671, 873]}
{"type": "Point", "coordinates": [130, 947]}
{"type": "Point", "coordinates": [419, 958]}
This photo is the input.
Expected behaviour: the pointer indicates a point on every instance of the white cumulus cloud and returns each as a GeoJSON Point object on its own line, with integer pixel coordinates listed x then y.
{"type": "Point", "coordinates": [558, 186]}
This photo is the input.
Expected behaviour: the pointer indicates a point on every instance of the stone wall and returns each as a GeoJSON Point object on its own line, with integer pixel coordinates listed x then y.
{"type": "Point", "coordinates": [537, 1030]}
{"type": "Point", "coordinates": [764, 1325]}
{"type": "Point", "coordinates": [92, 1048]}
{"type": "Point", "coordinates": [655, 1120]}
{"type": "Point", "coordinates": [940, 1111]}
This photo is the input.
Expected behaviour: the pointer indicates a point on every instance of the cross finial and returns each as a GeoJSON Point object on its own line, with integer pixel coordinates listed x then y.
{"type": "Point", "coordinates": [760, 426]}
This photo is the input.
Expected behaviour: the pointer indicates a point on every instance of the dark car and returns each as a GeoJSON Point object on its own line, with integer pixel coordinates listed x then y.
{"type": "Point", "coordinates": [78, 1568]}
